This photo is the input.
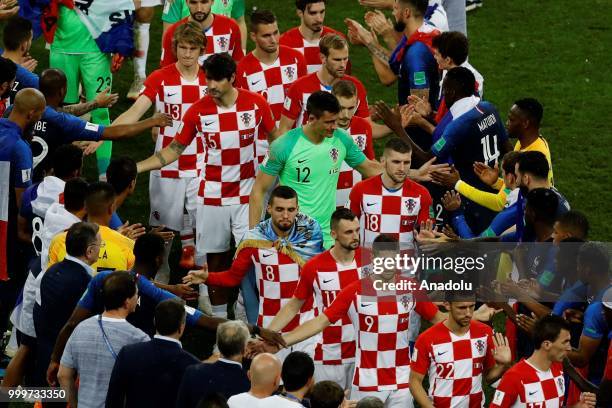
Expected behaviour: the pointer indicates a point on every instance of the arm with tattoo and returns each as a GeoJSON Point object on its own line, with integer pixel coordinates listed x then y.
{"type": "Point", "coordinates": [79, 109]}
{"type": "Point", "coordinates": [165, 156]}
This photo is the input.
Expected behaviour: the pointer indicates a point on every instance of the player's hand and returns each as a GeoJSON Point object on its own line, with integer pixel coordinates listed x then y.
{"type": "Point", "coordinates": [358, 34]}
{"type": "Point", "coordinates": [132, 231]}
{"type": "Point", "coordinates": [410, 117]}
{"type": "Point", "coordinates": [425, 172]}
{"type": "Point", "coordinates": [485, 313]}
{"type": "Point", "coordinates": [421, 105]}
{"type": "Point", "coordinates": [117, 63]}
{"type": "Point", "coordinates": [447, 178]}
{"type": "Point", "coordinates": [526, 323]}
{"type": "Point", "coordinates": [8, 8]}
{"type": "Point", "coordinates": [162, 119]}
{"type": "Point", "coordinates": [573, 316]}
{"type": "Point", "coordinates": [105, 99]}
{"type": "Point", "coordinates": [377, 22]}
{"type": "Point", "coordinates": [486, 173]}
{"type": "Point", "coordinates": [450, 232]}
{"type": "Point", "coordinates": [214, 357]}
{"type": "Point", "coordinates": [501, 353]}
{"type": "Point", "coordinates": [29, 63]}
{"type": "Point", "coordinates": [451, 201]}
{"type": "Point", "coordinates": [52, 371]}
{"type": "Point", "coordinates": [161, 230]}
{"type": "Point", "coordinates": [428, 233]}
{"type": "Point", "coordinates": [90, 147]}
{"type": "Point", "coordinates": [184, 291]}
{"type": "Point", "coordinates": [390, 117]}
{"type": "Point", "coordinates": [379, 4]}
{"type": "Point", "coordinates": [196, 277]}
{"type": "Point", "coordinates": [587, 400]}
{"type": "Point", "coordinates": [272, 337]}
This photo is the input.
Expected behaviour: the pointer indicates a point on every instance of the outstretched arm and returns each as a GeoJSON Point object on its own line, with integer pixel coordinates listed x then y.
{"type": "Point", "coordinates": [307, 330]}
{"type": "Point", "coordinates": [116, 132]}
{"type": "Point", "coordinates": [287, 312]}
{"type": "Point", "coordinates": [135, 112]}
{"type": "Point", "coordinates": [165, 156]}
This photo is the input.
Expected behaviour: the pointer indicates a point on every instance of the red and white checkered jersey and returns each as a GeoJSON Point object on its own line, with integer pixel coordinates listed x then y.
{"type": "Point", "coordinates": [174, 95]}
{"type": "Point", "coordinates": [454, 363]}
{"type": "Point", "coordinates": [525, 386]}
{"type": "Point", "coordinates": [360, 130]}
{"type": "Point", "coordinates": [608, 369]}
{"type": "Point", "coordinates": [382, 360]}
{"type": "Point", "coordinates": [271, 81]}
{"type": "Point", "coordinates": [310, 49]}
{"type": "Point", "coordinates": [382, 211]}
{"type": "Point", "coordinates": [294, 107]}
{"type": "Point", "coordinates": [222, 36]}
{"type": "Point", "coordinates": [277, 277]}
{"type": "Point", "coordinates": [324, 277]}
{"type": "Point", "coordinates": [229, 138]}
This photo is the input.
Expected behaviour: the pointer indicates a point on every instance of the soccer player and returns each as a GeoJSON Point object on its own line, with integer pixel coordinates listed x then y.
{"type": "Point", "coordinates": [17, 39]}
{"type": "Point", "coordinates": [324, 276]}
{"type": "Point", "coordinates": [57, 128]}
{"type": "Point", "coordinates": [475, 134]}
{"type": "Point", "coordinates": [8, 72]}
{"type": "Point", "coordinates": [308, 159]}
{"type": "Point", "coordinates": [538, 380]}
{"type": "Point", "coordinates": [174, 89]}
{"type": "Point", "coordinates": [277, 270]}
{"type": "Point", "coordinates": [380, 319]}
{"type": "Point", "coordinates": [270, 68]}
{"type": "Point", "coordinates": [305, 38]}
{"type": "Point", "coordinates": [222, 33]}
{"type": "Point", "coordinates": [457, 354]}
{"type": "Point", "coordinates": [116, 251]}
{"type": "Point", "coordinates": [360, 130]}
{"type": "Point", "coordinates": [228, 119]}
{"type": "Point", "coordinates": [572, 224]}
{"type": "Point", "coordinates": [391, 203]}
{"type": "Point", "coordinates": [334, 51]}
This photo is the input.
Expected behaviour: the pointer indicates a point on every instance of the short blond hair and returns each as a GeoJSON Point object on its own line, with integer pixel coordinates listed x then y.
{"type": "Point", "coordinates": [190, 33]}
{"type": "Point", "coordinates": [331, 42]}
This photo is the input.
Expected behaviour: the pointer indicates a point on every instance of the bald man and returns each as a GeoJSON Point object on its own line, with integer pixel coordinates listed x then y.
{"type": "Point", "coordinates": [265, 376]}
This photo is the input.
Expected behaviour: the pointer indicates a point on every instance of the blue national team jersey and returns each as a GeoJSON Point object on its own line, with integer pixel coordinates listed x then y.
{"type": "Point", "coordinates": [150, 295]}
{"type": "Point", "coordinates": [27, 197]}
{"type": "Point", "coordinates": [475, 136]}
{"type": "Point", "coordinates": [23, 79]}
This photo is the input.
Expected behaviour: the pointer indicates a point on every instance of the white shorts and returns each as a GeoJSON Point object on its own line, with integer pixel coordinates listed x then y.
{"type": "Point", "coordinates": [307, 346]}
{"type": "Point", "coordinates": [169, 197]}
{"type": "Point", "coordinates": [392, 399]}
{"type": "Point", "coordinates": [215, 226]}
{"type": "Point", "coordinates": [341, 374]}
{"type": "Point", "coordinates": [150, 3]}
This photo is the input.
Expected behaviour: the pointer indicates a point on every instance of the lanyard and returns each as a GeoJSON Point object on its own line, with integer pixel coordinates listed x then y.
{"type": "Point", "coordinates": [105, 337]}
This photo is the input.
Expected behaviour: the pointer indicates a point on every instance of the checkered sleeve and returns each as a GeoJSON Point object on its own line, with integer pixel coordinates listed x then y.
{"type": "Point", "coordinates": [302, 66]}
{"type": "Point", "coordinates": [507, 392]}
{"type": "Point", "coordinates": [267, 119]}
{"type": "Point", "coordinates": [293, 102]}
{"type": "Point", "coordinates": [420, 359]}
{"type": "Point", "coordinates": [187, 130]}
{"type": "Point", "coordinates": [236, 42]}
{"type": "Point", "coordinates": [425, 308]}
{"type": "Point", "coordinates": [167, 56]}
{"type": "Point", "coordinates": [355, 197]}
{"type": "Point", "coordinates": [241, 81]}
{"type": "Point", "coordinates": [340, 306]}
{"type": "Point", "coordinates": [304, 289]}
{"type": "Point", "coordinates": [233, 276]}
{"type": "Point", "coordinates": [363, 110]}
{"type": "Point", "coordinates": [152, 86]}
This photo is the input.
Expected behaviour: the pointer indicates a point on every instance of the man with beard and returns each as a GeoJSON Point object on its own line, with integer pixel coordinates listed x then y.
{"type": "Point", "coordinates": [456, 354]}
{"type": "Point", "coordinates": [391, 203]}
{"type": "Point", "coordinates": [324, 276]}
{"type": "Point", "coordinates": [335, 54]}
{"type": "Point", "coordinates": [270, 68]}
{"type": "Point", "coordinates": [277, 249]}
{"type": "Point", "coordinates": [305, 38]}
{"type": "Point", "coordinates": [222, 33]}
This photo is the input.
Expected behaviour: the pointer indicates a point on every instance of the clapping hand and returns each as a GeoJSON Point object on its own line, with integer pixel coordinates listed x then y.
{"type": "Point", "coordinates": [486, 173]}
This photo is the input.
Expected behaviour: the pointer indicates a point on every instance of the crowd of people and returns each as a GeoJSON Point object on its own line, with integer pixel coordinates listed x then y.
{"type": "Point", "coordinates": [266, 170]}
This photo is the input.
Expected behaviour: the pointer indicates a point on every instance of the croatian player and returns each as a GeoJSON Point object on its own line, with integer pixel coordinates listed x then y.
{"type": "Point", "coordinates": [174, 89]}
{"type": "Point", "coordinates": [335, 56]}
{"type": "Point", "coordinates": [222, 33]}
{"type": "Point", "coordinates": [228, 119]}
{"type": "Point", "coordinates": [538, 380]}
{"type": "Point", "coordinates": [269, 69]}
{"type": "Point", "coordinates": [391, 203]}
{"type": "Point", "coordinates": [324, 276]}
{"type": "Point", "coordinates": [358, 128]}
{"type": "Point", "coordinates": [456, 354]}
{"type": "Point", "coordinates": [308, 159]}
{"type": "Point", "coordinates": [305, 38]}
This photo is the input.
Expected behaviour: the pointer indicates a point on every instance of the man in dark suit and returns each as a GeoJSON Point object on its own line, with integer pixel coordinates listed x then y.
{"type": "Point", "coordinates": [149, 374]}
{"type": "Point", "coordinates": [61, 287]}
{"type": "Point", "coordinates": [226, 376]}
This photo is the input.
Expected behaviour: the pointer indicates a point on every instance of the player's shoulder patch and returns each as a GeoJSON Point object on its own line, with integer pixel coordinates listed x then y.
{"type": "Point", "coordinates": [498, 397]}
{"type": "Point", "coordinates": [419, 78]}
{"type": "Point", "coordinates": [92, 127]}
{"type": "Point", "coordinates": [439, 145]}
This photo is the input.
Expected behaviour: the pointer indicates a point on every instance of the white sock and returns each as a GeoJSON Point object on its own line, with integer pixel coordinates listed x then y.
{"type": "Point", "coordinates": [141, 31]}
{"type": "Point", "coordinates": [220, 311]}
{"type": "Point", "coordinates": [187, 233]}
{"type": "Point", "coordinates": [163, 275]}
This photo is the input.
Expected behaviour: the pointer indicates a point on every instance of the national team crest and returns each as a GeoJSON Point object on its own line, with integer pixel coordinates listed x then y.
{"type": "Point", "coordinates": [289, 72]}
{"type": "Point", "coordinates": [406, 301]}
{"type": "Point", "coordinates": [222, 42]}
{"type": "Point", "coordinates": [561, 384]}
{"type": "Point", "coordinates": [360, 142]}
{"type": "Point", "coordinates": [156, 215]}
{"type": "Point", "coordinates": [334, 154]}
{"type": "Point", "coordinates": [410, 204]}
{"type": "Point", "coordinates": [480, 346]}
{"type": "Point", "coordinates": [246, 118]}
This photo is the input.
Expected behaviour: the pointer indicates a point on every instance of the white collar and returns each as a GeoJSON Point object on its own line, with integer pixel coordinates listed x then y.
{"type": "Point", "coordinates": [88, 268]}
{"type": "Point", "coordinates": [159, 336]}
{"type": "Point", "coordinates": [225, 360]}
{"type": "Point", "coordinates": [463, 106]}
{"type": "Point", "coordinates": [112, 319]}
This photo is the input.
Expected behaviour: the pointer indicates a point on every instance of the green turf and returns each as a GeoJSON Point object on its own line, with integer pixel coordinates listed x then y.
{"type": "Point", "coordinates": [547, 49]}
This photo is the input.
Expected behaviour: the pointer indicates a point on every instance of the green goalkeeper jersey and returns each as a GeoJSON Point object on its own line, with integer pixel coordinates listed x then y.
{"type": "Point", "coordinates": [175, 10]}
{"type": "Point", "coordinates": [71, 35]}
{"type": "Point", "coordinates": [312, 170]}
